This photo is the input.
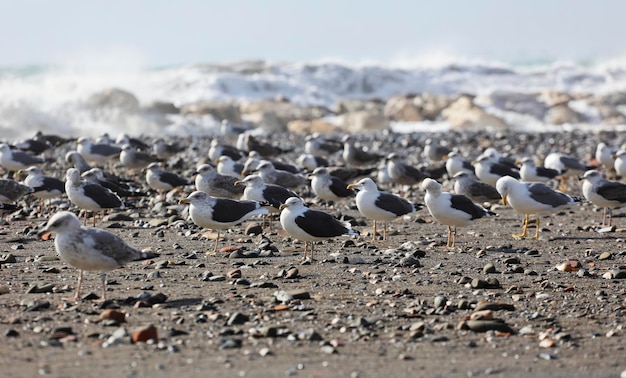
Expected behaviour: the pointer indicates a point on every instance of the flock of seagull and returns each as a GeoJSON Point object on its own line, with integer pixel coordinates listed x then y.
{"type": "Point", "coordinates": [254, 178]}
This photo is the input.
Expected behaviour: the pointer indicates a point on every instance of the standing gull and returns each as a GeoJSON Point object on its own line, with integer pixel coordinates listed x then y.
{"type": "Point", "coordinates": [209, 181]}
{"type": "Point", "coordinates": [356, 156]}
{"type": "Point", "coordinates": [266, 150]}
{"type": "Point", "coordinates": [78, 161]}
{"type": "Point", "coordinates": [489, 172]}
{"type": "Point", "coordinates": [379, 206]}
{"type": "Point", "coordinates": [133, 159]}
{"type": "Point", "coordinates": [434, 151]}
{"type": "Point", "coordinates": [568, 166]}
{"type": "Point", "coordinates": [604, 155]}
{"type": "Point", "coordinates": [452, 210]}
{"type": "Point", "coordinates": [402, 173]}
{"type": "Point", "coordinates": [309, 162]}
{"type": "Point", "coordinates": [99, 153]}
{"type": "Point", "coordinates": [112, 182]}
{"type": "Point", "coordinates": [164, 150]}
{"type": "Point", "coordinates": [455, 164]}
{"type": "Point", "coordinates": [257, 190]}
{"type": "Point", "coordinates": [603, 193]}
{"type": "Point", "coordinates": [161, 180]}
{"type": "Point", "coordinates": [310, 226]}
{"type": "Point", "coordinates": [227, 166]}
{"type": "Point", "coordinates": [90, 248]}
{"type": "Point", "coordinates": [88, 195]}
{"type": "Point", "coordinates": [320, 146]}
{"type": "Point", "coordinates": [532, 198]}
{"type": "Point", "coordinates": [45, 187]}
{"type": "Point", "coordinates": [466, 184]}
{"type": "Point", "coordinates": [620, 163]}
{"type": "Point", "coordinates": [11, 190]}
{"type": "Point", "coordinates": [216, 150]}
{"type": "Point", "coordinates": [271, 175]}
{"type": "Point", "coordinates": [529, 172]}
{"type": "Point", "coordinates": [220, 213]}
{"type": "Point", "coordinates": [16, 160]}
{"type": "Point", "coordinates": [327, 187]}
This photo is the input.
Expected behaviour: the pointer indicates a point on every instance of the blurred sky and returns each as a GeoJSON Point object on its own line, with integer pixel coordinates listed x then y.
{"type": "Point", "coordinates": [160, 32]}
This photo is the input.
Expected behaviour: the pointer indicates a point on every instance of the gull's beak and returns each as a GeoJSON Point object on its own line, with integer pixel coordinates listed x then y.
{"type": "Point", "coordinates": [504, 201]}
{"type": "Point", "coordinates": [351, 186]}
{"type": "Point", "coordinates": [281, 207]}
{"type": "Point", "coordinates": [238, 183]}
{"type": "Point", "coordinates": [244, 173]}
{"type": "Point", "coordinates": [183, 201]}
{"type": "Point", "coordinates": [614, 156]}
{"type": "Point", "coordinates": [518, 162]}
{"type": "Point", "coordinates": [474, 163]}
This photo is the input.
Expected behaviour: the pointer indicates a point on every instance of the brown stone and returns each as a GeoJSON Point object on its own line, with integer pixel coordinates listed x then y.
{"type": "Point", "coordinates": [115, 315]}
{"type": "Point", "coordinates": [143, 334]}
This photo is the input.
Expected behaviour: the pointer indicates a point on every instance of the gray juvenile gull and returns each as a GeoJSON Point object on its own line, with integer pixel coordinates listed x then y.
{"type": "Point", "coordinates": [45, 187]}
{"type": "Point", "coordinates": [604, 155]}
{"type": "Point", "coordinates": [220, 213]}
{"type": "Point", "coordinates": [402, 173]}
{"type": "Point", "coordinates": [452, 210]}
{"type": "Point", "coordinates": [434, 151]}
{"type": "Point", "coordinates": [309, 225]}
{"type": "Point", "coordinates": [229, 167]}
{"type": "Point", "coordinates": [78, 161]}
{"type": "Point", "coordinates": [133, 159]}
{"type": "Point", "coordinates": [455, 164]}
{"type": "Point", "coordinates": [356, 156]}
{"type": "Point", "coordinates": [216, 150]}
{"type": "Point", "coordinates": [271, 175]}
{"type": "Point", "coordinates": [489, 172]}
{"type": "Point", "coordinates": [97, 152]}
{"type": "Point", "coordinates": [467, 185]}
{"type": "Point", "coordinates": [603, 193]}
{"type": "Point", "coordinates": [90, 248]}
{"type": "Point", "coordinates": [16, 160]}
{"type": "Point", "coordinates": [164, 150]}
{"type": "Point", "coordinates": [567, 165]}
{"type": "Point", "coordinates": [11, 190]}
{"type": "Point", "coordinates": [379, 206]}
{"type": "Point", "coordinates": [529, 172]}
{"type": "Point", "coordinates": [320, 146]}
{"type": "Point", "coordinates": [209, 181]}
{"type": "Point", "coordinates": [327, 187]}
{"type": "Point", "coordinates": [532, 198]}
{"type": "Point", "coordinates": [88, 195]}
{"type": "Point", "coordinates": [161, 180]}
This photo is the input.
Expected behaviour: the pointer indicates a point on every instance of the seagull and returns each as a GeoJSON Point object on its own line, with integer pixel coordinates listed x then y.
{"type": "Point", "coordinates": [34, 146]}
{"type": "Point", "coordinates": [568, 166]}
{"type": "Point", "coordinates": [348, 174]}
{"type": "Point", "coordinates": [78, 161]}
{"type": "Point", "coordinates": [135, 143]}
{"type": "Point", "coordinates": [254, 159]}
{"type": "Point", "coordinates": [88, 195]}
{"type": "Point", "coordinates": [164, 150]}
{"type": "Point", "coordinates": [604, 155]}
{"type": "Point", "coordinates": [99, 153]}
{"type": "Point", "coordinates": [467, 185]}
{"type": "Point", "coordinates": [620, 163]}
{"type": "Point", "coordinates": [309, 226]}
{"type": "Point", "coordinates": [161, 180]}
{"type": "Point", "coordinates": [220, 213]}
{"type": "Point", "coordinates": [7, 208]}
{"type": "Point", "coordinates": [452, 210]}
{"type": "Point", "coordinates": [603, 193]}
{"type": "Point", "coordinates": [455, 164]}
{"type": "Point", "coordinates": [309, 162]}
{"type": "Point", "coordinates": [133, 159]}
{"type": "Point", "coordinates": [402, 173]}
{"type": "Point", "coordinates": [266, 150]}
{"type": "Point", "coordinates": [434, 151]}
{"type": "Point", "coordinates": [111, 182]}
{"type": "Point", "coordinates": [320, 146]}
{"type": "Point", "coordinates": [379, 206]}
{"type": "Point", "coordinates": [90, 248]}
{"type": "Point", "coordinates": [532, 198]}
{"type": "Point", "coordinates": [529, 172]}
{"type": "Point", "coordinates": [494, 156]}
{"type": "Point", "coordinates": [355, 156]}
{"type": "Point", "coordinates": [16, 160]}
{"type": "Point", "coordinates": [45, 187]}
{"type": "Point", "coordinates": [217, 185]}
{"type": "Point", "coordinates": [216, 150]}
{"type": "Point", "coordinates": [227, 166]}
{"type": "Point", "coordinates": [327, 187]}
{"type": "Point", "coordinates": [271, 175]}
{"type": "Point", "coordinates": [11, 190]}
{"type": "Point", "coordinates": [489, 172]}
{"type": "Point", "coordinates": [228, 128]}
{"type": "Point", "coordinates": [258, 190]}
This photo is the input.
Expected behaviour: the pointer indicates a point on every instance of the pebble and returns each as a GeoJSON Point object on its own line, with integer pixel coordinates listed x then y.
{"type": "Point", "coordinates": [605, 256]}
{"type": "Point", "coordinates": [488, 325]}
{"type": "Point", "coordinates": [117, 316]}
{"type": "Point", "coordinates": [143, 334]}
{"type": "Point", "coordinates": [489, 268]}
{"type": "Point", "coordinates": [292, 273]}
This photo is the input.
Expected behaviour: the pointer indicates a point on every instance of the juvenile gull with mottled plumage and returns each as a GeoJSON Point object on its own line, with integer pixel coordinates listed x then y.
{"type": "Point", "coordinates": [209, 181]}
{"type": "Point", "coordinates": [90, 248]}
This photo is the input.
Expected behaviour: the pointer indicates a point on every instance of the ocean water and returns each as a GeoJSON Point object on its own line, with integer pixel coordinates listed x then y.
{"type": "Point", "coordinates": [57, 99]}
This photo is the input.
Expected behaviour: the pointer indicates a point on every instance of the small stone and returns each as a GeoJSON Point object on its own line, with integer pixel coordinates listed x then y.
{"type": "Point", "coordinates": [237, 318]}
{"type": "Point", "coordinates": [253, 229]}
{"type": "Point", "coordinates": [547, 343]}
{"type": "Point", "coordinates": [605, 256]}
{"type": "Point", "coordinates": [292, 273]}
{"type": "Point", "coordinates": [479, 284]}
{"type": "Point", "coordinates": [235, 273]}
{"type": "Point", "coordinates": [300, 294]}
{"type": "Point", "coordinates": [117, 316]}
{"type": "Point", "coordinates": [4, 289]}
{"type": "Point", "coordinates": [489, 268]}
{"type": "Point", "coordinates": [309, 334]}
{"type": "Point", "coordinates": [11, 333]}
{"type": "Point", "coordinates": [143, 334]}
{"type": "Point", "coordinates": [489, 325]}
{"type": "Point", "coordinates": [328, 349]}
{"type": "Point", "coordinates": [265, 352]}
